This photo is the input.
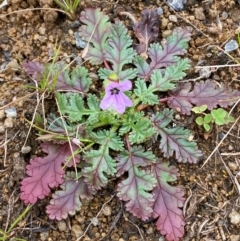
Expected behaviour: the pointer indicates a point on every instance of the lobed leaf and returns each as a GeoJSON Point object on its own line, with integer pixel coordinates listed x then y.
{"type": "Point", "coordinates": [136, 188]}
{"type": "Point", "coordinates": [147, 29]}
{"type": "Point", "coordinates": [68, 200]}
{"type": "Point", "coordinates": [171, 74]}
{"type": "Point", "coordinates": [45, 172]}
{"type": "Point", "coordinates": [58, 125]}
{"type": "Point", "coordinates": [77, 81]}
{"type": "Point", "coordinates": [175, 140]}
{"type": "Point", "coordinates": [96, 30]}
{"type": "Point", "coordinates": [101, 165]}
{"type": "Point", "coordinates": [145, 93]}
{"type": "Point", "coordinates": [204, 93]}
{"type": "Point", "coordinates": [119, 51]}
{"type": "Point", "coordinates": [167, 202]}
{"type": "Point", "coordinates": [163, 56]}
{"type": "Point", "coordinates": [100, 161]}
{"type": "Point", "coordinates": [34, 69]}
{"type": "Point", "coordinates": [138, 126]}
{"type": "Point", "coordinates": [108, 138]}
{"type": "Point", "coordinates": [73, 105]}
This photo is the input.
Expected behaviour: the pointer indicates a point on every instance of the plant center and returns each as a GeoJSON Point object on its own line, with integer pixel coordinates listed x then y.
{"type": "Point", "coordinates": [114, 91]}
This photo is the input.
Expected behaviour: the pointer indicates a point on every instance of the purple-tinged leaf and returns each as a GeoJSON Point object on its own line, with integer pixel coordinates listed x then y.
{"type": "Point", "coordinates": [101, 163]}
{"type": "Point", "coordinates": [67, 201]}
{"type": "Point", "coordinates": [164, 56]}
{"type": "Point", "coordinates": [136, 188]}
{"type": "Point", "coordinates": [146, 30]}
{"type": "Point", "coordinates": [33, 68]}
{"type": "Point", "coordinates": [167, 202]}
{"type": "Point", "coordinates": [96, 30]}
{"type": "Point", "coordinates": [175, 140]}
{"type": "Point", "coordinates": [139, 158]}
{"type": "Point", "coordinates": [204, 93]}
{"type": "Point", "coordinates": [45, 172]}
{"type": "Point", "coordinates": [76, 81]}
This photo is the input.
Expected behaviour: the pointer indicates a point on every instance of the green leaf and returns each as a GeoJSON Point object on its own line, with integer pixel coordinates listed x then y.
{"type": "Point", "coordinates": [119, 51]}
{"type": "Point", "coordinates": [72, 104]}
{"type": "Point", "coordinates": [104, 73]}
{"type": "Point", "coordinates": [171, 74]}
{"type": "Point", "coordinates": [200, 120]}
{"type": "Point", "coordinates": [135, 189]}
{"type": "Point", "coordinates": [207, 118]}
{"type": "Point", "coordinates": [101, 165]}
{"type": "Point", "coordinates": [219, 116]}
{"type": "Point", "coordinates": [109, 139]}
{"type": "Point", "coordinates": [96, 29]}
{"type": "Point", "coordinates": [199, 109]}
{"type": "Point", "coordinates": [144, 93]}
{"type": "Point", "coordinates": [206, 126]}
{"type": "Point", "coordinates": [229, 119]}
{"type": "Point", "coordinates": [138, 126]}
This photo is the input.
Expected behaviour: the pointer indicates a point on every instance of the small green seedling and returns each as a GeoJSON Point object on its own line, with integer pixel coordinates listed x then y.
{"type": "Point", "coordinates": [69, 6]}
{"type": "Point", "coordinates": [218, 116]}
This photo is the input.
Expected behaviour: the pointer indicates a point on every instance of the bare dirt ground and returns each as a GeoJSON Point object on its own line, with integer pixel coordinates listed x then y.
{"type": "Point", "coordinates": [212, 209]}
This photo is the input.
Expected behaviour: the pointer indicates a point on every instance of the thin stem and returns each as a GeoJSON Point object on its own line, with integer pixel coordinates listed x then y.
{"type": "Point", "coordinates": [107, 66]}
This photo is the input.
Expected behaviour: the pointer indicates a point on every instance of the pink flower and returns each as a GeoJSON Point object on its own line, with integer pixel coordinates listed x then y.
{"type": "Point", "coordinates": [115, 98]}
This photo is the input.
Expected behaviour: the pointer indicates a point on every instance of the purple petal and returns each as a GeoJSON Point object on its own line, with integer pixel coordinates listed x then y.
{"type": "Point", "coordinates": [106, 102]}
{"type": "Point", "coordinates": [125, 85]}
{"type": "Point", "coordinates": [111, 86]}
{"type": "Point", "coordinates": [122, 101]}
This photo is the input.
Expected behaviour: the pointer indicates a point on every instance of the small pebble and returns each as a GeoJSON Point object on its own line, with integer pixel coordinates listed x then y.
{"type": "Point", "coordinates": [42, 30]}
{"type": "Point", "coordinates": [199, 14]}
{"type": "Point", "coordinates": [166, 33]}
{"type": "Point", "coordinates": [8, 123]}
{"type": "Point", "coordinates": [231, 45]}
{"type": "Point", "coordinates": [224, 15]}
{"type": "Point", "coordinates": [44, 236]}
{"type": "Point", "coordinates": [159, 11]}
{"type": "Point", "coordinates": [62, 226]}
{"type": "Point", "coordinates": [76, 230]}
{"type": "Point", "coordinates": [150, 230]}
{"type": "Point", "coordinates": [94, 221]}
{"type": "Point", "coordinates": [230, 147]}
{"type": "Point", "coordinates": [75, 24]}
{"type": "Point", "coordinates": [177, 4]}
{"type": "Point", "coordinates": [2, 114]}
{"type": "Point", "coordinates": [107, 210]}
{"type": "Point", "coordinates": [234, 237]}
{"type": "Point", "coordinates": [173, 18]}
{"type": "Point", "coordinates": [11, 112]}
{"type": "Point", "coordinates": [234, 217]}
{"type": "Point", "coordinates": [205, 72]}
{"type": "Point", "coordinates": [233, 166]}
{"type": "Point", "coordinates": [93, 76]}
{"type": "Point", "coordinates": [2, 129]}
{"type": "Point", "coordinates": [26, 149]}
{"type": "Point", "coordinates": [81, 44]}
